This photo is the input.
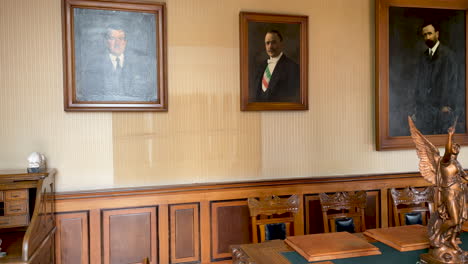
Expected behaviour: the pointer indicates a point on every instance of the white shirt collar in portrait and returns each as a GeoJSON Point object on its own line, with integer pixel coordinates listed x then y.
{"type": "Point", "coordinates": [272, 61]}
{"type": "Point", "coordinates": [433, 49]}
{"type": "Point", "coordinates": [114, 60]}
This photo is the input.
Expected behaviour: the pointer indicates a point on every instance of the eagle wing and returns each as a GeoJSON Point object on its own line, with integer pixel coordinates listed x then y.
{"type": "Point", "coordinates": [428, 154]}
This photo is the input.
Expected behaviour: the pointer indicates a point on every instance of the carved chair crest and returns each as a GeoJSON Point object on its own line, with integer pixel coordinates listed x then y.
{"type": "Point", "coordinates": [343, 200]}
{"type": "Point", "coordinates": [273, 205]}
{"type": "Point", "coordinates": [410, 195]}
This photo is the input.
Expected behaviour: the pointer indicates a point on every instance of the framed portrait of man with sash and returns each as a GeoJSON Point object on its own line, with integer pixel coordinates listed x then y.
{"type": "Point", "coordinates": [273, 62]}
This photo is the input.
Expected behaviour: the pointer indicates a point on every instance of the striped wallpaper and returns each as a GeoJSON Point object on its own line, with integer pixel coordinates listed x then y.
{"type": "Point", "coordinates": [204, 137]}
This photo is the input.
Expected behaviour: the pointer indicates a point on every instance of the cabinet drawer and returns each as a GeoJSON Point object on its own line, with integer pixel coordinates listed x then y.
{"type": "Point", "coordinates": [11, 221]}
{"type": "Point", "coordinates": [16, 195]}
{"type": "Point", "coordinates": [16, 207]}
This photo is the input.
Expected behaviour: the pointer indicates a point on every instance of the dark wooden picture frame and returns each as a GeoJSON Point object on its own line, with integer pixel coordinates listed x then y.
{"type": "Point", "coordinates": [288, 85]}
{"type": "Point", "coordinates": [400, 71]}
{"type": "Point", "coordinates": [114, 55]}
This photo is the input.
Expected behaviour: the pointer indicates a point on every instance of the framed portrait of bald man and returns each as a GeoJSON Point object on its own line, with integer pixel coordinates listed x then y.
{"type": "Point", "coordinates": [421, 71]}
{"type": "Point", "coordinates": [114, 56]}
{"type": "Point", "coordinates": [273, 62]}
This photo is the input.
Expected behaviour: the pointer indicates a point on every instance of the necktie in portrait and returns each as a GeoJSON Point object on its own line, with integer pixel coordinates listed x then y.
{"type": "Point", "coordinates": [118, 66]}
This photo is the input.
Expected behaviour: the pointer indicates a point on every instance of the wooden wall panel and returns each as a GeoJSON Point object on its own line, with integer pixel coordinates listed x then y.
{"type": "Point", "coordinates": [95, 236]}
{"type": "Point", "coordinates": [373, 210]}
{"type": "Point", "coordinates": [313, 214]}
{"type": "Point", "coordinates": [72, 244]}
{"type": "Point", "coordinates": [126, 225]}
{"type": "Point", "coordinates": [129, 235]}
{"type": "Point", "coordinates": [185, 233]}
{"type": "Point", "coordinates": [163, 233]}
{"type": "Point", "coordinates": [230, 224]}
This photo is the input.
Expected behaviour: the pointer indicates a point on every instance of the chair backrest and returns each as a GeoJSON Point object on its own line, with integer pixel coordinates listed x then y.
{"type": "Point", "coordinates": [344, 211]}
{"type": "Point", "coordinates": [412, 206]}
{"type": "Point", "coordinates": [272, 216]}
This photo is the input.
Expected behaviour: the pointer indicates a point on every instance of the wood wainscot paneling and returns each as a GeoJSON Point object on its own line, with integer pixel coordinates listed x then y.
{"type": "Point", "coordinates": [196, 223]}
{"type": "Point", "coordinates": [373, 209]}
{"type": "Point", "coordinates": [230, 225]}
{"type": "Point", "coordinates": [129, 235]}
{"type": "Point", "coordinates": [185, 233]}
{"type": "Point", "coordinates": [163, 233]}
{"type": "Point", "coordinates": [313, 213]}
{"type": "Point", "coordinates": [72, 238]}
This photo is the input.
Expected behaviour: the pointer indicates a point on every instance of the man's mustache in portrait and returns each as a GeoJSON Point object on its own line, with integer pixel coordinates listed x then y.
{"type": "Point", "coordinates": [430, 43]}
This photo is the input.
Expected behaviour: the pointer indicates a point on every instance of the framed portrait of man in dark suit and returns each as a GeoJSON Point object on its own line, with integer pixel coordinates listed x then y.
{"type": "Point", "coordinates": [114, 56]}
{"type": "Point", "coordinates": [421, 71]}
{"type": "Point", "coordinates": [273, 60]}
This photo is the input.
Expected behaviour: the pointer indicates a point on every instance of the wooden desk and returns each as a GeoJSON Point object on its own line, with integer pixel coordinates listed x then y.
{"type": "Point", "coordinates": [270, 251]}
{"type": "Point", "coordinates": [266, 252]}
{"type": "Point", "coordinates": [27, 222]}
{"type": "Point", "coordinates": [277, 252]}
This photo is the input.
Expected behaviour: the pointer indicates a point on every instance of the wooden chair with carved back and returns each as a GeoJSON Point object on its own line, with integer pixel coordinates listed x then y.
{"type": "Point", "coordinates": [412, 206]}
{"type": "Point", "coordinates": [272, 216]}
{"type": "Point", "coordinates": [344, 211]}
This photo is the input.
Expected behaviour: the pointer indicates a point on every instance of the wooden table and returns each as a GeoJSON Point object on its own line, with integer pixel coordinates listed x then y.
{"type": "Point", "coordinates": [266, 252]}
{"type": "Point", "coordinates": [277, 252]}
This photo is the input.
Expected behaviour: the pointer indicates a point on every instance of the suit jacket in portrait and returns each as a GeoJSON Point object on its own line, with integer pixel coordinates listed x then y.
{"type": "Point", "coordinates": [284, 84]}
{"type": "Point", "coordinates": [97, 80]}
{"type": "Point", "coordinates": [437, 86]}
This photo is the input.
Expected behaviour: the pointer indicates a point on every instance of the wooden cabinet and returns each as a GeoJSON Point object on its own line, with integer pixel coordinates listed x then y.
{"type": "Point", "coordinates": [14, 208]}
{"type": "Point", "coordinates": [27, 223]}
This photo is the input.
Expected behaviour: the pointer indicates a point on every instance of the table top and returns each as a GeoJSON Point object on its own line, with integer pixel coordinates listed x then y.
{"type": "Point", "coordinates": [23, 175]}
{"type": "Point", "coordinates": [277, 252]}
{"type": "Point", "coordinates": [335, 245]}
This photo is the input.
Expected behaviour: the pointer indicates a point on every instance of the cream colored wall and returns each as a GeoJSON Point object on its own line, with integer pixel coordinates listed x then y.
{"type": "Point", "coordinates": [79, 145]}
{"type": "Point", "coordinates": [204, 137]}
